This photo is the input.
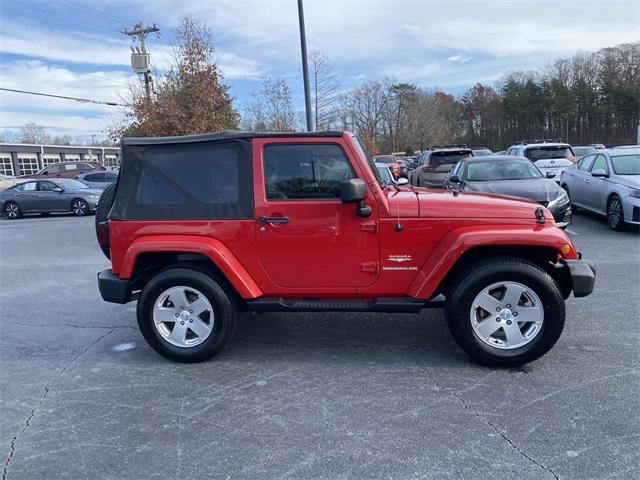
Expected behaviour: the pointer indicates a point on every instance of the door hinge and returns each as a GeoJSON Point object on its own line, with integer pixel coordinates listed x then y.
{"type": "Point", "coordinates": [369, 267]}
{"type": "Point", "coordinates": [369, 227]}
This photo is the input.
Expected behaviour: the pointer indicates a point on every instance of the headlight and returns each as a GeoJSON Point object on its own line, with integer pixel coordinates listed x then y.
{"type": "Point", "coordinates": [559, 200]}
{"type": "Point", "coordinates": [634, 192]}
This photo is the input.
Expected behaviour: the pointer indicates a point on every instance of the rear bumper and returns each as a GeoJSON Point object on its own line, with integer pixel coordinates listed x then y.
{"type": "Point", "coordinates": [112, 288]}
{"type": "Point", "coordinates": [583, 276]}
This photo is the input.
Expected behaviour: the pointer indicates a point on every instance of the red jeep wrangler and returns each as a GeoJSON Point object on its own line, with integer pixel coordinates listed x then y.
{"type": "Point", "coordinates": [201, 228]}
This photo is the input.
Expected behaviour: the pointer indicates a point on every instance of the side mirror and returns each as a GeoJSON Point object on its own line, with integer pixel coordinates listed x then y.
{"type": "Point", "coordinates": [402, 181]}
{"type": "Point", "coordinates": [599, 172]}
{"type": "Point", "coordinates": [354, 190]}
{"type": "Point", "coordinates": [551, 174]}
{"type": "Point", "coordinates": [454, 179]}
{"type": "Point", "coordinates": [58, 189]}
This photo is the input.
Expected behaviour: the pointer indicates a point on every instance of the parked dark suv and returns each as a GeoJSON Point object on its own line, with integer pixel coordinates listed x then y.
{"type": "Point", "coordinates": [435, 163]}
{"type": "Point", "coordinates": [67, 170]}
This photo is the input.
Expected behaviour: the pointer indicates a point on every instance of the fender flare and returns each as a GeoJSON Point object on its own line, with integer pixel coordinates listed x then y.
{"type": "Point", "coordinates": [461, 240]}
{"type": "Point", "coordinates": [212, 248]}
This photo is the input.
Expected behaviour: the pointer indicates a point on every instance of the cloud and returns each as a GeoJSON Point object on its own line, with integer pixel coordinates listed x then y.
{"type": "Point", "coordinates": [84, 48]}
{"type": "Point", "coordinates": [458, 59]}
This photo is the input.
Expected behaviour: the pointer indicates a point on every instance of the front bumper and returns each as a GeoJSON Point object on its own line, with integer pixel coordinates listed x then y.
{"type": "Point", "coordinates": [112, 288]}
{"type": "Point", "coordinates": [583, 276]}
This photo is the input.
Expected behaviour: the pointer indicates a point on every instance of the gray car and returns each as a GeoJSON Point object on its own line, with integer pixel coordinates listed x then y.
{"type": "Point", "coordinates": [99, 180]}
{"type": "Point", "coordinates": [608, 183]}
{"type": "Point", "coordinates": [47, 196]}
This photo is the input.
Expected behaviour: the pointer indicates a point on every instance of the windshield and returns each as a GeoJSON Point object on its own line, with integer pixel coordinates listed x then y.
{"type": "Point", "coordinates": [582, 151]}
{"type": "Point", "coordinates": [372, 165]}
{"type": "Point", "coordinates": [445, 158]}
{"type": "Point", "coordinates": [501, 170]}
{"type": "Point", "coordinates": [69, 184]}
{"type": "Point", "coordinates": [546, 153]}
{"type": "Point", "coordinates": [626, 164]}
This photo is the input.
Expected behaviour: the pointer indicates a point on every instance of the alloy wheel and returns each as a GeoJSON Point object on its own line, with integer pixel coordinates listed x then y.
{"type": "Point", "coordinates": [614, 213]}
{"type": "Point", "coordinates": [79, 208]}
{"type": "Point", "coordinates": [12, 211]}
{"type": "Point", "coordinates": [507, 315]}
{"type": "Point", "coordinates": [183, 316]}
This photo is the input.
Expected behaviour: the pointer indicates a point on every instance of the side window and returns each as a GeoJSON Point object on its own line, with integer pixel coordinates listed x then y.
{"type": "Point", "coordinates": [94, 177]}
{"type": "Point", "coordinates": [71, 166]}
{"type": "Point", "coordinates": [46, 186]}
{"type": "Point", "coordinates": [585, 162]}
{"type": "Point", "coordinates": [600, 163]}
{"type": "Point", "coordinates": [110, 177]}
{"type": "Point", "coordinates": [29, 187]}
{"type": "Point", "coordinates": [54, 169]}
{"type": "Point", "coordinates": [314, 172]}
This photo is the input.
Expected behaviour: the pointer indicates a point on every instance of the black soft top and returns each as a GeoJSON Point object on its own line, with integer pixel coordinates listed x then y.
{"type": "Point", "coordinates": [222, 136]}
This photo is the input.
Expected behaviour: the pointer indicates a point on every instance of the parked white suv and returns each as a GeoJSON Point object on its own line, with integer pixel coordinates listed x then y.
{"type": "Point", "coordinates": [548, 155]}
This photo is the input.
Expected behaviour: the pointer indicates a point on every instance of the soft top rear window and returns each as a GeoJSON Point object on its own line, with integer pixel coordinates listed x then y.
{"type": "Point", "coordinates": [200, 180]}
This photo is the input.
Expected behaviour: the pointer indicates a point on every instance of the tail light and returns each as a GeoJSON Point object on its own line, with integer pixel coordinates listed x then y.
{"type": "Point", "coordinates": [103, 234]}
{"type": "Point", "coordinates": [427, 168]}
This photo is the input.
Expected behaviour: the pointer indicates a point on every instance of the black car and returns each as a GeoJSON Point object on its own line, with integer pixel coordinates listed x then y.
{"type": "Point", "coordinates": [513, 176]}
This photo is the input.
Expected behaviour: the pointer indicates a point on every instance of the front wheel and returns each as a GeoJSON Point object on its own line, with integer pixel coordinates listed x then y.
{"type": "Point", "coordinates": [185, 315]}
{"type": "Point", "coordinates": [79, 207]}
{"type": "Point", "coordinates": [615, 213]}
{"type": "Point", "coordinates": [505, 312]}
{"type": "Point", "coordinates": [12, 211]}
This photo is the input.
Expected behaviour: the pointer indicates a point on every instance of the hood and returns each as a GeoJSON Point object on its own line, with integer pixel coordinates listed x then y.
{"type": "Point", "coordinates": [536, 189]}
{"type": "Point", "coordinates": [632, 181]}
{"type": "Point", "coordinates": [435, 203]}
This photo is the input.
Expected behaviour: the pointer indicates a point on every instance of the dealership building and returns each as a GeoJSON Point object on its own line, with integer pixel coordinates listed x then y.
{"type": "Point", "coordinates": [27, 159]}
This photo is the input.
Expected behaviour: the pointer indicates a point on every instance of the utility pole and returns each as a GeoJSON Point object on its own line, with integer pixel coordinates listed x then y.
{"type": "Point", "coordinates": [140, 58]}
{"type": "Point", "coordinates": [305, 67]}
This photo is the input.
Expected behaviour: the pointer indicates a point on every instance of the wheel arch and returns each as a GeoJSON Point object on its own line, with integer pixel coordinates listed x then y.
{"type": "Point", "coordinates": [460, 248]}
{"type": "Point", "coordinates": [148, 255]}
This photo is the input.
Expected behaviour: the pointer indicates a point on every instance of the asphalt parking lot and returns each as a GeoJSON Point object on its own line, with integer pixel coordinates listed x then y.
{"type": "Point", "coordinates": [305, 395]}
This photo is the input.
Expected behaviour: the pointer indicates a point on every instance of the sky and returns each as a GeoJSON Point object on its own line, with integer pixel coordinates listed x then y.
{"type": "Point", "coordinates": [75, 48]}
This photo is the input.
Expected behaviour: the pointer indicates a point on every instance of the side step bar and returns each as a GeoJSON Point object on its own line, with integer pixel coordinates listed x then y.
{"type": "Point", "coordinates": [382, 304]}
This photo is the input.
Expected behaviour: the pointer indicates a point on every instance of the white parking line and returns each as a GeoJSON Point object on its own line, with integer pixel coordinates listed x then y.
{"type": "Point", "coordinates": [572, 232]}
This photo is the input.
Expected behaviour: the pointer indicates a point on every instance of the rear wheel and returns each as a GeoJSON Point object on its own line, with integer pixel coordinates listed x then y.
{"type": "Point", "coordinates": [12, 210]}
{"type": "Point", "coordinates": [79, 207]}
{"type": "Point", "coordinates": [615, 213]}
{"type": "Point", "coordinates": [186, 316]}
{"type": "Point", "coordinates": [505, 311]}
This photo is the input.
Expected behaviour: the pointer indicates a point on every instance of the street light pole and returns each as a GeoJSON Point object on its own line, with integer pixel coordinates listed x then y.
{"type": "Point", "coordinates": [305, 67]}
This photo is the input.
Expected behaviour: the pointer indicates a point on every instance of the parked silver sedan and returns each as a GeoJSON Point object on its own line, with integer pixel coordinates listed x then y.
{"type": "Point", "coordinates": [607, 182]}
{"type": "Point", "coordinates": [47, 196]}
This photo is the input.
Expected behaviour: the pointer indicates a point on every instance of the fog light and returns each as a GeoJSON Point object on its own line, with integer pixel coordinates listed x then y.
{"type": "Point", "coordinates": [565, 248]}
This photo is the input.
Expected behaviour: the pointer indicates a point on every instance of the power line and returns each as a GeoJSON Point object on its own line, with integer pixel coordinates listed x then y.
{"type": "Point", "coordinates": [81, 100]}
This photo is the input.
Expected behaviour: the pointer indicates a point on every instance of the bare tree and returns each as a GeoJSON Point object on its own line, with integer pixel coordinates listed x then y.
{"type": "Point", "coordinates": [191, 99]}
{"type": "Point", "coordinates": [363, 109]}
{"type": "Point", "coordinates": [271, 109]}
{"type": "Point", "coordinates": [325, 86]}
{"type": "Point", "coordinates": [31, 132]}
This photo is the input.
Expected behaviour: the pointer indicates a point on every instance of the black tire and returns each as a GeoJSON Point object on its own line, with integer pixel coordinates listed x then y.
{"type": "Point", "coordinates": [222, 300]}
{"type": "Point", "coordinates": [615, 213]}
{"type": "Point", "coordinates": [574, 209]}
{"type": "Point", "coordinates": [484, 273]}
{"type": "Point", "coordinates": [12, 210]}
{"type": "Point", "coordinates": [102, 212]}
{"type": "Point", "coordinates": [79, 207]}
